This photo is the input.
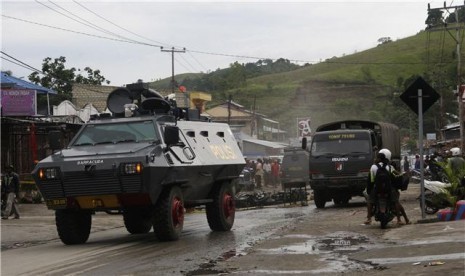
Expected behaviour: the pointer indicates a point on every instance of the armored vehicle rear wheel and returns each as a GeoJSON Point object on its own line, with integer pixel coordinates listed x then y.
{"type": "Point", "coordinates": [137, 220]}
{"type": "Point", "coordinates": [221, 212]}
{"type": "Point", "coordinates": [168, 219]}
{"type": "Point", "coordinates": [73, 226]}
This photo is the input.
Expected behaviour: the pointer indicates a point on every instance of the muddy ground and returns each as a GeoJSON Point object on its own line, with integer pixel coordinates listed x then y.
{"type": "Point", "coordinates": [334, 240]}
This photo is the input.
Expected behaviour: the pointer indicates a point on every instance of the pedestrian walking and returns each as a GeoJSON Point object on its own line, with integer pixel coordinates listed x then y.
{"type": "Point", "coordinates": [275, 171]}
{"type": "Point", "coordinates": [267, 172]}
{"type": "Point", "coordinates": [406, 165]}
{"type": "Point", "coordinates": [259, 174]}
{"type": "Point", "coordinates": [10, 192]}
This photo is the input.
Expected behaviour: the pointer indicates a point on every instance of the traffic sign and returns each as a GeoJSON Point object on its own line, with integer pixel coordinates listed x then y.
{"type": "Point", "coordinates": [410, 96]}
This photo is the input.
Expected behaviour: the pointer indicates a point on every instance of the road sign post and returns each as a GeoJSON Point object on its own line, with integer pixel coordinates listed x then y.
{"type": "Point", "coordinates": [420, 96]}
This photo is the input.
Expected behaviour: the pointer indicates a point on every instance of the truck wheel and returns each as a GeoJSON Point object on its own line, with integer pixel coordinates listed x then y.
{"type": "Point", "coordinates": [73, 226]}
{"type": "Point", "coordinates": [168, 219]}
{"type": "Point", "coordinates": [137, 220]}
{"type": "Point", "coordinates": [319, 199]}
{"type": "Point", "coordinates": [221, 212]}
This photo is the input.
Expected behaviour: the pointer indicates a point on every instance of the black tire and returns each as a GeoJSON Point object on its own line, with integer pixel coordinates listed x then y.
{"type": "Point", "coordinates": [73, 226]}
{"type": "Point", "coordinates": [319, 199]}
{"type": "Point", "coordinates": [168, 219]}
{"type": "Point", "coordinates": [222, 211]}
{"type": "Point", "coordinates": [431, 210]}
{"type": "Point", "coordinates": [384, 221]}
{"type": "Point", "coordinates": [137, 220]}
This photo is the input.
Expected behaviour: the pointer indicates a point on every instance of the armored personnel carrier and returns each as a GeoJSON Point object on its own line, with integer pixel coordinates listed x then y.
{"type": "Point", "coordinates": [149, 162]}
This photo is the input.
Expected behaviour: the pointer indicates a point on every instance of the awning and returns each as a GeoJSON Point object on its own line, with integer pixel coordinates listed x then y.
{"type": "Point", "coordinates": [15, 83]}
{"type": "Point", "coordinates": [265, 143]}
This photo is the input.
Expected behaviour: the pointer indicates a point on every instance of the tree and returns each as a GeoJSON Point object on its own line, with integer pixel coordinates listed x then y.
{"type": "Point", "coordinates": [434, 18]}
{"type": "Point", "coordinates": [451, 18]}
{"type": "Point", "coordinates": [58, 78]}
{"type": "Point", "coordinates": [93, 77]}
{"type": "Point", "coordinates": [384, 40]}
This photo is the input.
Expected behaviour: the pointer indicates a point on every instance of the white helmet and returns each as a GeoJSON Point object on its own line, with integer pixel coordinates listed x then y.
{"type": "Point", "coordinates": [455, 151]}
{"type": "Point", "coordinates": [387, 153]}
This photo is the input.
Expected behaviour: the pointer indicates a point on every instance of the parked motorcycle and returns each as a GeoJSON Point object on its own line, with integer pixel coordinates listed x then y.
{"type": "Point", "coordinates": [245, 182]}
{"type": "Point", "coordinates": [432, 202]}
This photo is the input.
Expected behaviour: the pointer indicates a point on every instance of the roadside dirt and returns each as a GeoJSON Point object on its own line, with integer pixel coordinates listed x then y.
{"type": "Point", "coordinates": [334, 240]}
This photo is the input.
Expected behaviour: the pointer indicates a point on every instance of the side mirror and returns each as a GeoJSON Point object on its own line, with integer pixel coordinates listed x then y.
{"type": "Point", "coordinates": [304, 143]}
{"type": "Point", "coordinates": [171, 135]}
{"type": "Point", "coordinates": [54, 139]}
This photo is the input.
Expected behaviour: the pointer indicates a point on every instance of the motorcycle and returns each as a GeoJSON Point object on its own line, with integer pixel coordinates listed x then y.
{"type": "Point", "coordinates": [245, 180]}
{"type": "Point", "coordinates": [432, 202]}
{"type": "Point", "coordinates": [383, 209]}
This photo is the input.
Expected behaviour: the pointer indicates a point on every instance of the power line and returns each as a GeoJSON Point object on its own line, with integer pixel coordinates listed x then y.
{"type": "Point", "coordinates": [81, 33]}
{"type": "Point", "coordinates": [116, 25]}
{"type": "Point", "coordinates": [213, 53]}
{"type": "Point", "coordinates": [82, 21]}
{"type": "Point", "coordinates": [25, 65]}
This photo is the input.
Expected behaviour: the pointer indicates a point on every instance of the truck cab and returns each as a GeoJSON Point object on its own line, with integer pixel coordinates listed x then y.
{"type": "Point", "coordinates": [341, 154]}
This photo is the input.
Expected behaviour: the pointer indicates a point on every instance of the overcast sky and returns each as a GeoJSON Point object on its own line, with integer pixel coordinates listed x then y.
{"type": "Point", "coordinates": [214, 33]}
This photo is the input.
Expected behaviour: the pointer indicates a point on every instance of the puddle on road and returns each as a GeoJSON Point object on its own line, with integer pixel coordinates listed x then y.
{"type": "Point", "coordinates": [332, 248]}
{"type": "Point", "coordinates": [339, 242]}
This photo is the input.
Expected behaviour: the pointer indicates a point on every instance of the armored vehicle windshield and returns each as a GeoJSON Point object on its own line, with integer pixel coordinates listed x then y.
{"type": "Point", "coordinates": [119, 132]}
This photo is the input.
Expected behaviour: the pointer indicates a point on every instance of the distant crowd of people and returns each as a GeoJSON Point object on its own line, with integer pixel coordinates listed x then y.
{"type": "Point", "coordinates": [265, 172]}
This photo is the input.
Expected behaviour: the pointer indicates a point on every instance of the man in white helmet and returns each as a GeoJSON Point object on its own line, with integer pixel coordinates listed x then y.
{"type": "Point", "coordinates": [383, 159]}
{"type": "Point", "coordinates": [457, 164]}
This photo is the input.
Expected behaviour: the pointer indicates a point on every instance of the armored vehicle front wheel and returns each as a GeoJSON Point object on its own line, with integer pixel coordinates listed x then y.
{"type": "Point", "coordinates": [168, 219]}
{"type": "Point", "coordinates": [73, 226]}
{"type": "Point", "coordinates": [137, 220]}
{"type": "Point", "coordinates": [221, 212]}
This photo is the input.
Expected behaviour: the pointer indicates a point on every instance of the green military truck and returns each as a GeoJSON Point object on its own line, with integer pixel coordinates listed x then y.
{"type": "Point", "coordinates": [341, 154]}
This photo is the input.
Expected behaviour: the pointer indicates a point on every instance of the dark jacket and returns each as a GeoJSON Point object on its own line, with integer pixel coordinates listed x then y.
{"type": "Point", "coordinates": [10, 183]}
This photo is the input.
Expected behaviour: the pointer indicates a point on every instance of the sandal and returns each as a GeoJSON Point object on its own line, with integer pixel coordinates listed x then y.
{"type": "Point", "coordinates": [367, 222]}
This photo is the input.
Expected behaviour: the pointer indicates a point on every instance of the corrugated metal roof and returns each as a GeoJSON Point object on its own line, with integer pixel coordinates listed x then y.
{"type": "Point", "coordinates": [13, 82]}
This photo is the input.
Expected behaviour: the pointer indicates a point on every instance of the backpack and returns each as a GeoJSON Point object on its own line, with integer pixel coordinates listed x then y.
{"type": "Point", "coordinates": [383, 179]}
{"type": "Point", "coordinates": [401, 182]}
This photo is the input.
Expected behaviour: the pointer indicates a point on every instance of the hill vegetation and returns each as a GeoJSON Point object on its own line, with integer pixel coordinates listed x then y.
{"type": "Point", "coordinates": [364, 85]}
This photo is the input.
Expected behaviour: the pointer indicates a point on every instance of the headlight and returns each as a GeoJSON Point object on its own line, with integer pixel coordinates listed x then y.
{"type": "Point", "coordinates": [132, 168]}
{"type": "Point", "coordinates": [49, 173]}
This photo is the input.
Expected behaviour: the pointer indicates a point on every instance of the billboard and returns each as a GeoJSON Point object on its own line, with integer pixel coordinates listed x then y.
{"type": "Point", "coordinates": [303, 127]}
{"type": "Point", "coordinates": [18, 102]}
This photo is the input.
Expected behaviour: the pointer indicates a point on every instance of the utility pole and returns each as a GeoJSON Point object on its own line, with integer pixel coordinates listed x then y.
{"type": "Point", "coordinates": [229, 109]}
{"type": "Point", "coordinates": [173, 50]}
{"type": "Point", "coordinates": [458, 41]}
{"type": "Point", "coordinates": [252, 126]}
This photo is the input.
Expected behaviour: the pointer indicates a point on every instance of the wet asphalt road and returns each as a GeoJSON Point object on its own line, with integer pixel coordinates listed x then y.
{"type": "Point", "coordinates": [115, 252]}
{"type": "Point", "coordinates": [275, 240]}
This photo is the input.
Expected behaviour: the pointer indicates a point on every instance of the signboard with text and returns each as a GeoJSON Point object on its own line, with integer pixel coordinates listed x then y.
{"type": "Point", "coordinates": [18, 102]}
{"type": "Point", "coordinates": [303, 125]}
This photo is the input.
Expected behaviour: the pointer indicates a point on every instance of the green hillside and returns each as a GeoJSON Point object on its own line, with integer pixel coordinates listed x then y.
{"type": "Point", "coordinates": [363, 85]}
